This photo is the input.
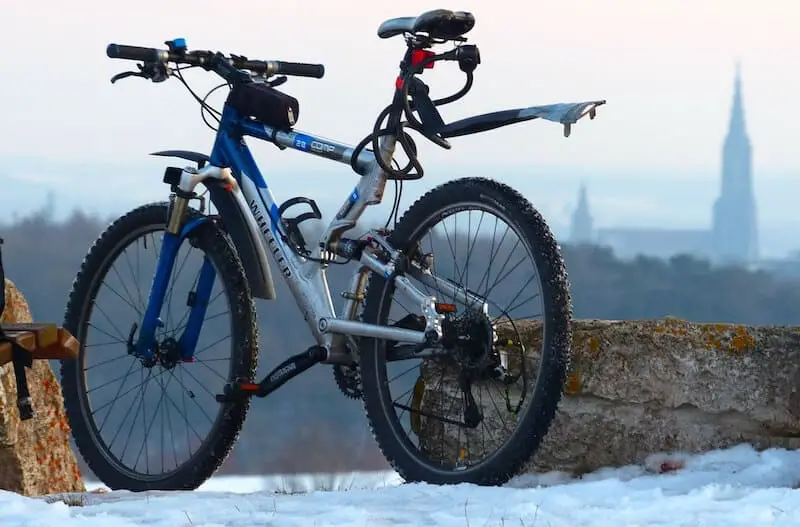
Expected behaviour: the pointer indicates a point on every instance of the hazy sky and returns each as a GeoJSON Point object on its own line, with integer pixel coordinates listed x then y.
{"type": "Point", "coordinates": [666, 69]}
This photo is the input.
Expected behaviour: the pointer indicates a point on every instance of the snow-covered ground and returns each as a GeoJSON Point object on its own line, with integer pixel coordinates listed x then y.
{"type": "Point", "coordinates": [734, 487]}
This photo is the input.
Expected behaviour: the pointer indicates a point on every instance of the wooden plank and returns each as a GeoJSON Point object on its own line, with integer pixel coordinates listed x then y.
{"type": "Point", "coordinates": [43, 341]}
{"type": "Point", "coordinates": [66, 347]}
{"type": "Point", "coordinates": [46, 334]}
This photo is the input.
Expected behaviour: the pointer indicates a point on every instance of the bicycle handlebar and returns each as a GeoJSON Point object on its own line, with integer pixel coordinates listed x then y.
{"type": "Point", "coordinates": [120, 51]}
{"type": "Point", "coordinates": [234, 69]}
{"type": "Point", "coordinates": [299, 69]}
{"type": "Point", "coordinates": [206, 58]}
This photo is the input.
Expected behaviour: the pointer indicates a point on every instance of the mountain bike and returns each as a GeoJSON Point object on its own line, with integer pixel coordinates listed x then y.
{"type": "Point", "coordinates": [457, 328]}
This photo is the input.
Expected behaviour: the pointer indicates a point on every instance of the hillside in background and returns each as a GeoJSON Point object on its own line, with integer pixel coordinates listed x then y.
{"type": "Point", "coordinates": [307, 426]}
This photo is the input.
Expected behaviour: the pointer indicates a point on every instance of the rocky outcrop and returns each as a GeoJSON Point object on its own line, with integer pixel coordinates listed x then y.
{"type": "Point", "coordinates": [35, 455]}
{"type": "Point", "coordinates": [637, 388]}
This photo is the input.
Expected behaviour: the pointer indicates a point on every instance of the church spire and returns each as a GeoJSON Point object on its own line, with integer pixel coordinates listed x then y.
{"type": "Point", "coordinates": [581, 228]}
{"type": "Point", "coordinates": [735, 225]}
{"type": "Point", "coordinates": [737, 129]}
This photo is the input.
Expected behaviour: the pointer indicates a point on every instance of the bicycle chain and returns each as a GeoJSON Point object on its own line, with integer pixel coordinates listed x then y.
{"type": "Point", "coordinates": [348, 379]}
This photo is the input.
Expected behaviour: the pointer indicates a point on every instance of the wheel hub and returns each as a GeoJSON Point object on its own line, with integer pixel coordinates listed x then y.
{"type": "Point", "coordinates": [168, 353]}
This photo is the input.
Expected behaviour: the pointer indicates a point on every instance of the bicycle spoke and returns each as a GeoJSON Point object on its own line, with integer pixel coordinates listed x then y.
{"type": "Point", "coordinates": [141, 419]}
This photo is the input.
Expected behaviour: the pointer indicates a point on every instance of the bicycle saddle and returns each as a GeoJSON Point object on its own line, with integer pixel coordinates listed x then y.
{"type": "Point", "coordinates": [439, 23]}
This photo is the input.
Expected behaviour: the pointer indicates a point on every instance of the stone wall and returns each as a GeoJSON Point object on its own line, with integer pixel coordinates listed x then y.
{"type": "Point", "coordinates": [637, 388]}
{"type": "Point", "coordinates": [35, 455]}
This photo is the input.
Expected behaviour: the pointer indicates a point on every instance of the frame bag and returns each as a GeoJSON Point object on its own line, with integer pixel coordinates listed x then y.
{"type": "Point", "coordinates": [264, 103]}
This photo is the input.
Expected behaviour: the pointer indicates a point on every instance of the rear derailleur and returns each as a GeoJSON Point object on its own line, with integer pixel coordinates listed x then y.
{"type": "Point", "coordinates": [470, 344]}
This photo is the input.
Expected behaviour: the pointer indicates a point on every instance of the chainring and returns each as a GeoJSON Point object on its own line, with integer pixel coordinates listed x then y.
{"type": "Point", "coordinates": [348, 379]}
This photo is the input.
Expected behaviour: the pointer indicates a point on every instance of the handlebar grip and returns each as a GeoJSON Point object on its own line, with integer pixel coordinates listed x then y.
{"type": "Point", "coordinates": [299, 69]}
{"type": "Point", "coordinates": [119, 51]}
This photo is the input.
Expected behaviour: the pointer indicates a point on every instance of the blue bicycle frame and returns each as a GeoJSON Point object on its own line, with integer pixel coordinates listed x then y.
{"type": "Point", "coordinates": [253, 219]}
{"type": "Point", "coordinates": [232, 163]}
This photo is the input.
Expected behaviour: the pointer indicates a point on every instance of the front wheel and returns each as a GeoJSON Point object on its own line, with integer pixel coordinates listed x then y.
{"type": "Point", "coordinates": [157, 426]}
{"type": "Point", "coordinates": [442, 422]}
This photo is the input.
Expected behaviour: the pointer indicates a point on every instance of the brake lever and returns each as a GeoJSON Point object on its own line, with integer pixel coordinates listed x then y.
{"type": "Point", "coordinates": [155, 71]}
{"type": "Point", "coordinates": [277, 81]}
{"type": "Point", "coordinates": [124, 74]}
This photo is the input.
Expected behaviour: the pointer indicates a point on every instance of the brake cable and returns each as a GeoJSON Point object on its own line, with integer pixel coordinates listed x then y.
{"type": "Point", "coordinates": [398, 129]}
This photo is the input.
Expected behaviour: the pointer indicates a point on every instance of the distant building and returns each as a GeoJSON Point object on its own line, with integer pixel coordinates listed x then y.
{"type": "Point", "coordinates": [581, 230]}
{"type": "Point", "coordinates": [733, 236]}
{"type": "Point", "coordinates": [629, 242]}
{"type": "Point", "coordinates": [734, 220]}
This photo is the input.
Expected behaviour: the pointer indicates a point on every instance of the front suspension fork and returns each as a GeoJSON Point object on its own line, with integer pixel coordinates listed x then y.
{"type": "Point", "coordinates": [177, 230]}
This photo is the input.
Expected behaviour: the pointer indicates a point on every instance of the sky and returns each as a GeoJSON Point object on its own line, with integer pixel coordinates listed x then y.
{"type": "Point", "coordinates": [665, 68]}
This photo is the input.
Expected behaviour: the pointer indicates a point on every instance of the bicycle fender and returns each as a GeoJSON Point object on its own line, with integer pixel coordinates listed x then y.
{"type": "Point", "coordinates": [259, 276]}
{"type": "Point", "coordinates": [261, 289]}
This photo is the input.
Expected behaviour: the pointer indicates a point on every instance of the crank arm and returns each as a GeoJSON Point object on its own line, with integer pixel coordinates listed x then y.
{"type": "Point", "coordinates": [282, 373]}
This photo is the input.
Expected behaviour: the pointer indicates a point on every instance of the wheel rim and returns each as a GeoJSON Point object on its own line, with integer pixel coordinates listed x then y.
{"type": "Point", "coordinates": [133, 438]}
{"type": "Point", "coordinates": [450, 221]}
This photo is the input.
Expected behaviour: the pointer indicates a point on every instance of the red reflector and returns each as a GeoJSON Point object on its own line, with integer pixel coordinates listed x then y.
{"type": "Point", "coordinates": [398, 83]}
{"type": "Point", "coordinates": [418, 55]}
{"type": "Point", "coordinates": [445, 308]}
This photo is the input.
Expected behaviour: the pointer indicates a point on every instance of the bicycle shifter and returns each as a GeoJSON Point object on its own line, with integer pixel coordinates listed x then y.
{"type": "Point", "coordinates": [149, 70]}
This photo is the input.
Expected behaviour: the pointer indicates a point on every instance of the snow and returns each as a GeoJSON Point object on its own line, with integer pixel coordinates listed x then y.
{"type": "Point", "coordinates": [733, 487]}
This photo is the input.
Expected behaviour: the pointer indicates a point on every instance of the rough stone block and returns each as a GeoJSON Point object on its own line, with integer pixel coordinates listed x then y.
{"type": "Point", "coordinates": [636, 388]}
{"type": "Point", "coordinates": [35, 455]}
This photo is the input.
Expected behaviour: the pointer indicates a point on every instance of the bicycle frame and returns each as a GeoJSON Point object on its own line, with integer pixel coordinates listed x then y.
{"type": "Point", "coordinates": [259, 217]}
{"type": "Point", "coordinates": [232, 163]}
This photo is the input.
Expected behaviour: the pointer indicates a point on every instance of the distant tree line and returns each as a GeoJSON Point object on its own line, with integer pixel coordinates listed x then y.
{"type": "Point", "coordinates": [683, 286]}
{"type": "Point", "coordinates": [307, 426]}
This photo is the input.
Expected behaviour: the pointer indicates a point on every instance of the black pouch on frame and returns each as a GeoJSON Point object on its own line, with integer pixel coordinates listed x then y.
{"type": "Point", "coordinates": [265, 103]}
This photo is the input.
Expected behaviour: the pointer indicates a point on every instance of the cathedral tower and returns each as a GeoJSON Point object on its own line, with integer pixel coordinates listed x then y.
{"type": "Point", "coordinates": [735, 235]}
{"type": "Point", "coordinates": [581, 226]}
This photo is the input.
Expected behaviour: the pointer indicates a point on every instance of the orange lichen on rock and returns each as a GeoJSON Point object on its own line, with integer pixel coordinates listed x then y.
{"type": "Point", "coordinates": [572, 384]}
{"type": "Point", "coordinates": [742, 340]}
{"type": "Point", "coordinates": [672, 325]}
{"type": "Point", "coordinates": [734, 339]}
{"type": "Point", "coordinates": [594, 345]}
{"type": "Point", "coordinates": [582, 342]}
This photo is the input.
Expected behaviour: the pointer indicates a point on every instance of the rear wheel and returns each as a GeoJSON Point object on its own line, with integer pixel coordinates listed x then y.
{"type": "Point", "coordinates": [430, 431]}
{"type": "Point", "coordinates": [141, 427]}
